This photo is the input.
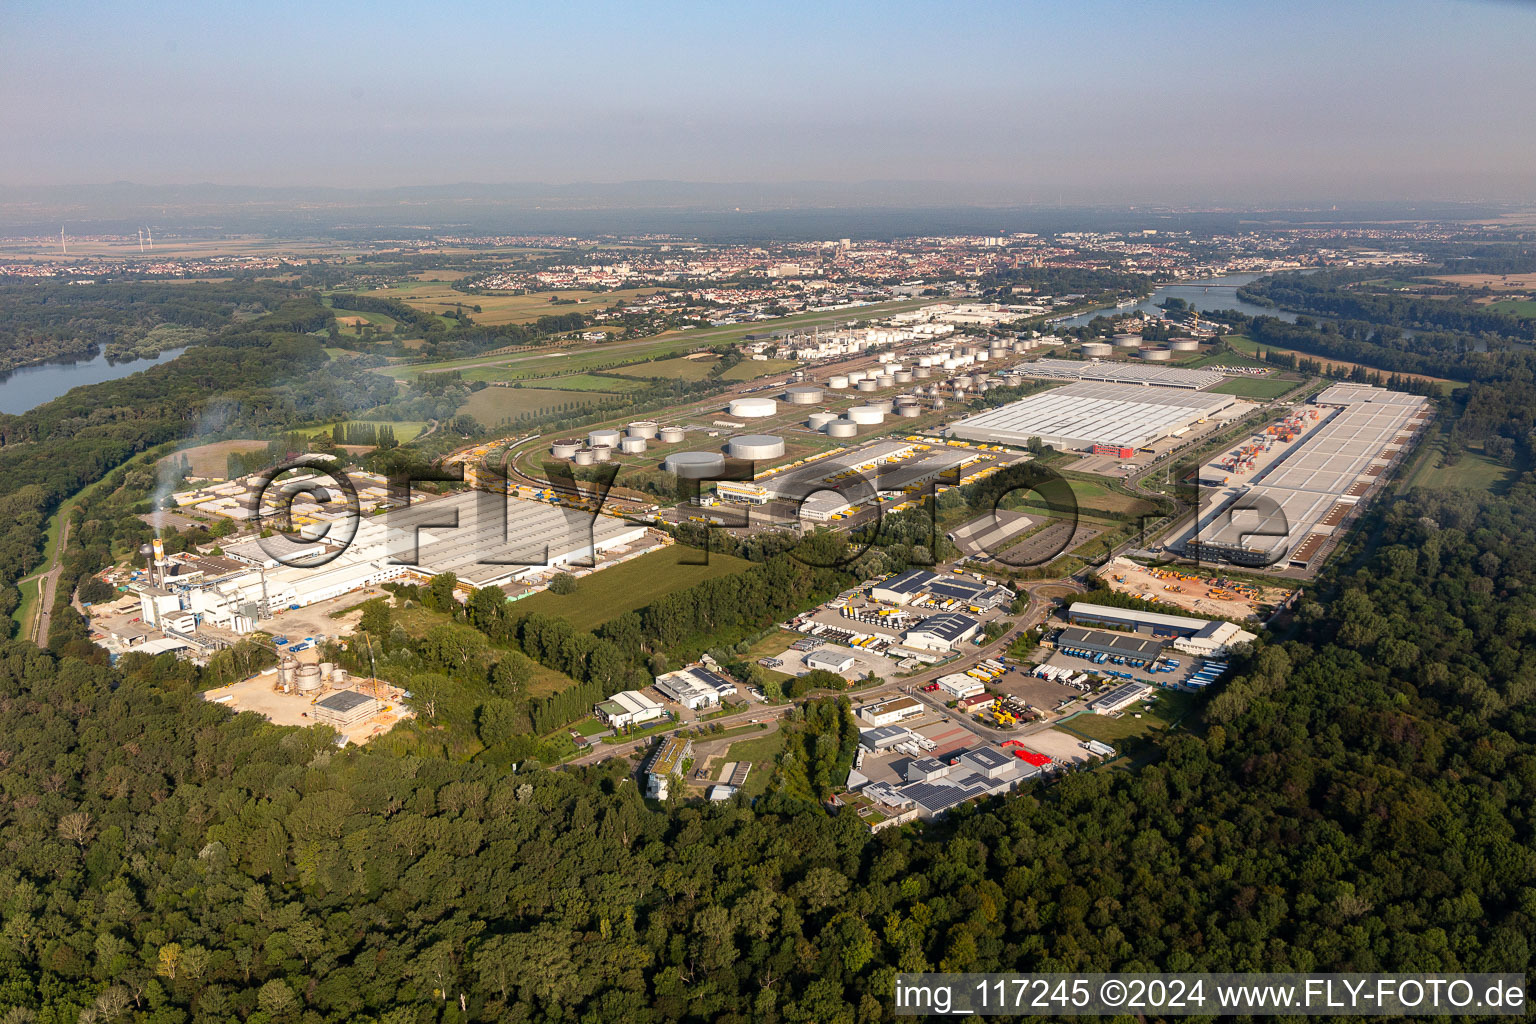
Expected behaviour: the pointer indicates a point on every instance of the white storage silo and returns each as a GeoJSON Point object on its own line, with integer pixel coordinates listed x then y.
{"type": "Point", "coordinates": [755, 446]}
{"type": "Point", "coordinates": [818, 420]}
{"type": "Point", "coordinates": [645, 429]}
{"type": "Point", "coordinates": [842, 428]}
{"type": "Point", "coordinates": [1156, 355]}
{"type": "Point", "coordinates": [866, 414]}
{"type": "Point", "coordinates": [805, 394]}
{"type": "Point", "coordinates": [606, 435]}
{"type": "Point", "coordinates": [632, 445]}
{"type": "Point", "coordinates": [565, 447]}
{"type": "Point", "coordinates": [1184, 345]}
{"type": "Point", "coordinates": [1097, 349]}
{"type": "Point", "coordinates": [838, 382]}
{"type": "Point", "coordinates": [753, 408]}
{"type": "Point", "coordinates": [603, 452]}
{"type": "Point", "coordinates": [584, 457]}
{"type": "Point", "coordinates": [694, 465]}
{"type": "Point", "coordinates": [671, 435]}
{"type": "Point", "coordinates": [867, 384]}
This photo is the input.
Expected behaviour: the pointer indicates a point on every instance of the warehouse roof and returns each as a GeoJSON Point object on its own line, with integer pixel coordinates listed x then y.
{"type": "Point", "coordinates": [1133, 373]}
{"type": "Point", "coordinates": [1120, 643]}
{"type": "Point", "coordinates": [947, 625]}
{"type": "Point", "coordinates": [1106, 613]}
{"type": "Point", "coordinates": [1093, 413]}
{"type": "Point", "coordinates": [909, 582]}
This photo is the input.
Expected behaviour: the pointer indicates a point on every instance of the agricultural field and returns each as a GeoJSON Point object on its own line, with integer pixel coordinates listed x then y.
{"type": "Point", "coordinates": [751, 369]}
{"type": "Point", "coordinates": [634, 584]}
{"type": "Point", "coordinates": [1518, 307]}
{"type": "Point", "coordinates": [348, 319]}
{"type": "Point", "coordinates": [1263, 388]}
{"type": "Point", "coordinates": [568, 382]}
{"type": "Point", "coordinates": [1093, 496]}
{"type": "Point", "coordinates": [492, 405]}
{"type": "Point", "coordinates": [1225, 359]}
{"type": "Point", "coordinates": [441, 297]}
{"type": "Point", "coordinates": [549, 361]}
{"type": "Point", "coordinates": [680, 368]}
{"type": "Point", "coordinates": [212, 459]}
{"type": "Point", "coordinates": [1498, 282]}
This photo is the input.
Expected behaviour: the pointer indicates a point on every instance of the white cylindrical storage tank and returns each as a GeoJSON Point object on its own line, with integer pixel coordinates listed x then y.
{"type": "Point", "coordinates": [641, 428]}
{"type": "Point", "coordinates": [1021, 347]}
{"type": "Point", "coordinates": [817, 420]}
{"type": "Point", "coordinates": [671, 435]}
{"type": "Point", "coordinates": [924, 361]}
{"type": "Point", "coordinates": [838, 383]}
{"type": "Point", "coordinates": [1184, 345]}
{"type": "Point", "coordinates": [607, 435]}
{"type": "Point", "coordinates": [584, 457]}
{"type": "Point", "coordinates": [854, 376]}
{"type": "Point", "coordinates": [868, 384]}
{"type": "Point", "coordinates": [286, 668]}
{"type": "Point", "coordinates": [909, 411]}
{"type": "Point", "coordinates": [894, 368]}
{"type": "Point", "coordinates": [924, 372]}
{"type": "Point", "coordinates": [755, 446]}
{"type": "Point", "coordinates": [1097, 349]}
{"type": "Point", "coordinates": [308, 678]}
{"type": "Point", "coordinates": [753, 408]}
{"type": "Point", "coordinates": [982, 355]}
{"type": "Point", "coordinates": [1155, 355]}
{"type": "Point", "coordinates": [694, 465]}
{"type": "Point", "coordinates": [866, 414]}
{"type": "Point", "coordinates": [340, 677]}
{"type": "Point", "coordinates": [963, 381]}
{"type": "Point", "coordinates": [842, 428]}
{"type": "Point", "coordinates": [886, 380]}
{"type": "Point", "coordinates": [603, 452]}
{"type": "Point", "coordinates": [805, 394]}
{"type": "Point", "coordinates": [565, 447]}
{"type": "Point", "coordinates": [632, 445]}
{"type": "Point", "coordinates": [902, 376]}
{"type": "Point", "coordinates": [953, 364]}
{"type": "Point", "coordinates": [883, 404]}
{"type": "Point", "coordinates": [1127, 341]}
{"type": "Point", "coordinates": [326, 668]}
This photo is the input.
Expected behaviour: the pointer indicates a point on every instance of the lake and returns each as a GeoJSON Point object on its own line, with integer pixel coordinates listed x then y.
{"type": "Point", "coordinates": [28, 387]}
{"type": "Point", "coordinates": [1216, 293]}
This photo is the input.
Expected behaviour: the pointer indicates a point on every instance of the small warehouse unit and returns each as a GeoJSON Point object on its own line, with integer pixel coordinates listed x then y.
{"type": "Point", "coordinates": [830, 659]}
{"type": "Point", "coordinates": [959, 684]}
{"type": "Point", "coordinates": [1201, 637]}
{"type": "Point", "coordinates": [1120, 698]}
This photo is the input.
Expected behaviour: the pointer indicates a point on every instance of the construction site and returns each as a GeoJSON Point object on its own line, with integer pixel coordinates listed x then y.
{"type": "Point", "coordinates": [302, 693]}
{"type": "Point", "coordinates": [1194, 591]}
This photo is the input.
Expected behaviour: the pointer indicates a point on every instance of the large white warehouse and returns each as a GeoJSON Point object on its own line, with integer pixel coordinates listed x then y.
{"type": "Point", "coordinates": [1087, 413]}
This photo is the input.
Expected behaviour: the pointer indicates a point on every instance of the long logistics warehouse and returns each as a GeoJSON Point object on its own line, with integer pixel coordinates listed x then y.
{"type": "Point", "coordinates": [1292, 508]}
{"type": "Point", "coordinates": [1087, 413]}
{"type": "Point", "coordinates": [1120, 373]}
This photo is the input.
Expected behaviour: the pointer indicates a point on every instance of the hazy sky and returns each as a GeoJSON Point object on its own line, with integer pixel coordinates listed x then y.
{"type": "Point", "coordinates": [1078, 101]}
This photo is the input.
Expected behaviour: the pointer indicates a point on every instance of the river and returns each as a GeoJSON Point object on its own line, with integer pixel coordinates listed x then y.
{"type": "Point", "coordinates": [1216, 293]}
{"type": "Point", "coordinates": [28, 387]}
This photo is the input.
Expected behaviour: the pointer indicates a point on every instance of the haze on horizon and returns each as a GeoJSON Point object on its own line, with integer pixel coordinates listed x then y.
{"type": "Point", "coordinates": [1009, 103]}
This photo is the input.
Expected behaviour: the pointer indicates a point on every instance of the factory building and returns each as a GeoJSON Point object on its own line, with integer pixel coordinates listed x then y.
{"type": "Point", "coordinates": [889, 712]}
{"type": "Point", "coordinates": [1099, 641]}
{"type": "Point", "coordinates": [695, 688]}
{"type": "Point", "coordinates": [1081, 415]}
{"type": "Point", "coordinates": [1120, 698]}
{"type": "Point", "coordinates": [915, 584]}
{"type": "Point", "coordinates": [1199, 637]}
{"type": "Point", "coordinates": [345, 708]}
{"type": "Point", "coordinates": [630, 707]}
{"type": "Point", "coordinates": [1119, 373]}
{"type": "Point", "coordinates": [943, 632]}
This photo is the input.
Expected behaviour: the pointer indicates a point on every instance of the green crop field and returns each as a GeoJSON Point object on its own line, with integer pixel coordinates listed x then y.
{"type": "Point", "coordinates": [1473, 471]}
{"type": "Point", "coordinates": [379, 320]}
{"type": "Point", "coordinates": [680, 368]}
{"type": "Point", "coordinates": [1256, 387]}
{"type": "Point", "coordinates": [492, 405]}
{"type": "Point", "coordinates": [751, 369]}
{"type": "Point", "coordinates": [569, 382]}
{"type": "Point", "coordinates": [1519, 307]}
{"type": "Point", "coordinates": [634, 584]}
